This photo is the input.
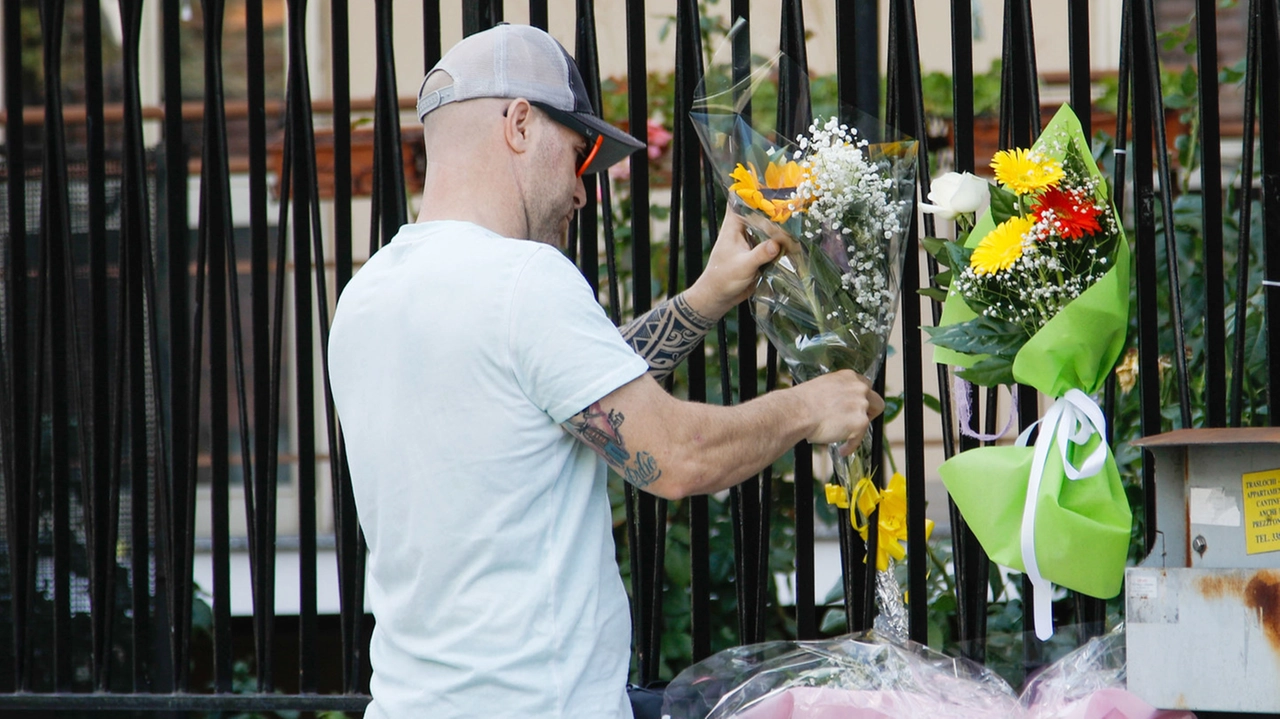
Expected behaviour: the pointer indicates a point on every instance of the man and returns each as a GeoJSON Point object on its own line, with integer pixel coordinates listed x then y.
{"type": "Point", "coordinates": [482, 390]}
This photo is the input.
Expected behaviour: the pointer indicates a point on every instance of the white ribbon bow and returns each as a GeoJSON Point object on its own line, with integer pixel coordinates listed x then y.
{"type": "Point", "coordinates": [1073, 419]}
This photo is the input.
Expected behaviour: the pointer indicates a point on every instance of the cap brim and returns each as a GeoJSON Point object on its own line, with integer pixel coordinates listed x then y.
{"type": "Point", "coordinates": [617, 144]}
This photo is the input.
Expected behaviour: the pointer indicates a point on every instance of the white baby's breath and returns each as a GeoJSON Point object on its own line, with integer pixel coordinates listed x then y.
{"type": "Point", "coordinates": [847, 192]}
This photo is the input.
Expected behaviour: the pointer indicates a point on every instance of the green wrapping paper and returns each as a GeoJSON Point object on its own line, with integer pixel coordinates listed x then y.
{"type": "Point", "coordinates": [1082, 526]}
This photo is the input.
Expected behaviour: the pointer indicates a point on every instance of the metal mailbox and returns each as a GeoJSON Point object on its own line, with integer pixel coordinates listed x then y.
{"type": "Point", "coordinates": [1202, 610]}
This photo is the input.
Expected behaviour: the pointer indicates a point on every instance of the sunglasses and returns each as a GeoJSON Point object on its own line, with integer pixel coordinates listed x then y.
{"type": "Point", "coordinates": [588, 153]}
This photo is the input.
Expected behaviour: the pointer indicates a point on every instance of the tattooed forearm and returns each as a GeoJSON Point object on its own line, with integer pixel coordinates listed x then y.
{"type": "Point", "coordinates": [665, 335]}
{"type": "Point", "coordinates": [600, 429]}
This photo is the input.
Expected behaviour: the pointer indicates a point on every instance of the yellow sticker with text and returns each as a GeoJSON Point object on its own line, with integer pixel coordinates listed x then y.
{"type": "Point", "coordinates": [1262, 511]}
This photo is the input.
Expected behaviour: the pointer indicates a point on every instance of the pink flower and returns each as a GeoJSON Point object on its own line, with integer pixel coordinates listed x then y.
{"type": "Point", "coordinates": [659, 137]}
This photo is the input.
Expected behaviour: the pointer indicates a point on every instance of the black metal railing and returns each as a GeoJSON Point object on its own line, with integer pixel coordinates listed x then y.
{"type": "Point", "coordinates": [150, 369]}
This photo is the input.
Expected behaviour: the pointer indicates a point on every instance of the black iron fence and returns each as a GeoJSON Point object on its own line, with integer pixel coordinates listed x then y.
{"type": "Point", "coordinates": [161, 379]}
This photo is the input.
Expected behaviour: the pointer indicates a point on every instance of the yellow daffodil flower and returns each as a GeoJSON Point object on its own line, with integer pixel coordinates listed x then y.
{"type": "Point", "coordinates": [775, 197]}
{"type": "Point", "coordinates": [1023, 173]}
{"type": "Point", "coordinates": [1001, 247]}
{"type": "Point", "coordinates": [892, 530]}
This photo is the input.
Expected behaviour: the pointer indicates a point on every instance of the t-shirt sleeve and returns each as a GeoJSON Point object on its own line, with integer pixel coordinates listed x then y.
{"type": "Point", "coordinates": [565, 351]}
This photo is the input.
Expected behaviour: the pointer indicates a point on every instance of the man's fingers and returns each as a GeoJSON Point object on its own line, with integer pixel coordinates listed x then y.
{"type": "Point", "coordinates": [765, 252]}
{"type": "Point", "coordinates": [875, 405]}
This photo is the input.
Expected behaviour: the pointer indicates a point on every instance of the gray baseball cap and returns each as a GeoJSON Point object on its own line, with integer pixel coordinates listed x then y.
{"type": "Point", "coordinates": [522, 61]}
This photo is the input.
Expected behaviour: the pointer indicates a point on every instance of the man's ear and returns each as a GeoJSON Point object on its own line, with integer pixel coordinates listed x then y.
{"type": "Point", "coordinates": [517, 126]}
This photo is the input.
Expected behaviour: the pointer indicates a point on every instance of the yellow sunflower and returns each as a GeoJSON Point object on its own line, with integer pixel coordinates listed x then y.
{"type": "Point", "coordinates": [1017, 170]}
{"type": "Point", "coordinates": [775, 197]}
{"type": "Point", "coordinates": [1001, 247]}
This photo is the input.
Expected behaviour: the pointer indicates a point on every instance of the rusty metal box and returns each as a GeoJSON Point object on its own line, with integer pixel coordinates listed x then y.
{"type": "Point", "coordinates": [1203, 608]}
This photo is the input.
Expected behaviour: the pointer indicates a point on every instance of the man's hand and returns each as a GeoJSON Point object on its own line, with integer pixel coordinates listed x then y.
{"type": "Point", "coordinates": [843, 405]}
{"type": "Point", "coordinates": [732, 269]}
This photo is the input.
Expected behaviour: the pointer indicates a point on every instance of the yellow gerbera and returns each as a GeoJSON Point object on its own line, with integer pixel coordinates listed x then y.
{"type": "Point", "coordinates": [1017, 170]}
{"type": "Point", "coordinates": [775, 197]}
{"type": "Point", "coordinates": [1001, 247]}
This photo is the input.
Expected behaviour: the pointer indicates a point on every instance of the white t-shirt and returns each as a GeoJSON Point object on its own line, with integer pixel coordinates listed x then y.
{"type": "Point", "coordinates": [454, 356]}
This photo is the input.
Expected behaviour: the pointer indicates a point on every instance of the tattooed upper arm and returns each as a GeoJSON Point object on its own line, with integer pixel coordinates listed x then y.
{"type": "Point", "coordinates": [601, 429]}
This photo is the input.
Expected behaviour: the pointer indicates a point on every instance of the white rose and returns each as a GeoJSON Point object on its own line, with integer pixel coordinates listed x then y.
{"type": "Point", "coordinates": [956, 193]}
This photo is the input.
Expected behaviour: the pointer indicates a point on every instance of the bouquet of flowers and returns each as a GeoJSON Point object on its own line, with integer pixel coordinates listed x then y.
{"type": "Point", "coordinates": [840, 204]}
{"type": "Point", "coordinates": [1038, 293]}
{"type": "Point", "coordinates": [867, 676]}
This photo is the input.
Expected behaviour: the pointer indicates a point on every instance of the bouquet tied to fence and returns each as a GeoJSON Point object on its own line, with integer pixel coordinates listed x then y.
{"type": "Point", "coordinates": [840, 205]}
{"type": "Point", "coordinates": [1038, 293]}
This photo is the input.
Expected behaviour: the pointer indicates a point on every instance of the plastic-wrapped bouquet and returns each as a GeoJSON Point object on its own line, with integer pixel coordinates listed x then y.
{"type": "Point", "coordinates": [856, 677]}
{"type": "Point", "coordinates": [840, 203]}
{"type": "Point", "coordinates": [1039, 294]}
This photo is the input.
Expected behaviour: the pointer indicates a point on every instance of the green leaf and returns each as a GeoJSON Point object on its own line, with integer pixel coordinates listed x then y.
{"type": "Point", "coordinates": [892, 407]}
{"type": "Point", "coordinates": [1190, 81]}
{"type": "Point", "coordinates": [980, 336]}
{"type": "Point", "coordinates": [959, 255]}
{"type": "Point", "coordinates": [932, 402]}
{"type": "Point", "coordinates": [835, 594]}
{"type": "Point", "coordinates": [834, 622]}
{"type": "Point", "coordinates": [937, 249]}
{"type": "Point", "coordinates": [936, 294]}
{"type": "Point", "coordinates": [989, 372]}
{"type": "Point", "coordinates": [943, 279]}
{"type": "Point", "coordinates": [1004, 204]}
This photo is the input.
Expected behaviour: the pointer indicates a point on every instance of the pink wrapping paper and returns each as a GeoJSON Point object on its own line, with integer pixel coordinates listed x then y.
{"type": "Point", "coordinates": [825, 703]}
{"type": "Point", "coordinates": [1110, 703]}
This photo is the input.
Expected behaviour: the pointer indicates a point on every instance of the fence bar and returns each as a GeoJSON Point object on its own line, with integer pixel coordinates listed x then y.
{"type": "Point", "coordinates": [793, 93]}
{"type": "Point", "coordinates": [1269, 146]}
{"type": "Point", "coordinates": [431, 31]}
{"type": "Point", "coordinates": [1019, 126]}
{"type": "Point", "coordinates": [339, 475]}
{"type": "Point", "coordinates": [55, 235]}
{"type": "Point", "coordinates": [177, 509]}
{"type": "Point", "coordinates": [689, 67]}
{"type": "Point", "coordinates": [905, 111]}
{"type": "Point", "coordinates": [1091, 612]}
{"type": "Point", "coordinates": [856, 72]}
{"type": "Point", "coordinates": [538, 14]}
{"type": "Point", "coordinates": [1215, 375]}
{"type": "Point", "coordinates": [1078, 63]}
{"type": "Point", "coordinates": [480, 15]}
{"type": "Point", "coordinates": [970, 560]}
{"type": "Point", "coordinates": [748, 499]}
{"type": "Point", "coordinates": [390, 208]}
{"type": "Point", "coordinates": [260, 518]}
{"type": "Point", "coordinates": [1244, 240]}
{"type": "Point", "coordinates": [14, 370]}
{"type": "Point", "coordinates": [141, 374]}
{"type": "Point", "coordinates": [308, 253]}
{"type": "Point", "coordinates": [1144, 243]}
{"type": "Point", "coordinates": [588, 217]}
{"type": "Point", "coordinates": [350, 542]}
{"type": "Point", "coordinates": [858, 67]}
{"type": "Point", "coordinates": [1167, 224]}
{"type": "Point", "coordinates": [95, 472]}
{"type": "Point", "coordinates": [646, 513]}
{"type": "Point", "coordinates": [215, 230]}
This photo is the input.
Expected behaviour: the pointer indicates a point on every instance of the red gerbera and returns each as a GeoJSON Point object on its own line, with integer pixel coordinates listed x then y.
{"type": "Point", "coordinates": [1070, 214]}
